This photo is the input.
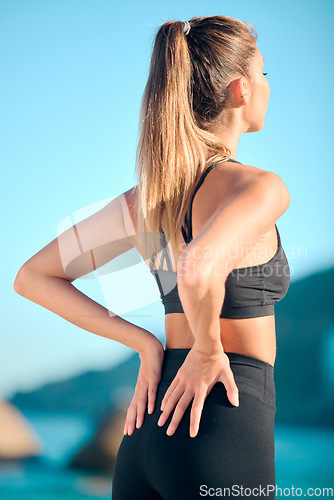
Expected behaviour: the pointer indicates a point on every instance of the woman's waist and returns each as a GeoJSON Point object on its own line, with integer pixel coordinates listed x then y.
{"type": "Point", "coordinates": [254, 337]}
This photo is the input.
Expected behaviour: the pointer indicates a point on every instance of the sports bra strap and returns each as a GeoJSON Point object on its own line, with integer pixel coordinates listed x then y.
{"type": "Point", "coordinates": [188, 236]}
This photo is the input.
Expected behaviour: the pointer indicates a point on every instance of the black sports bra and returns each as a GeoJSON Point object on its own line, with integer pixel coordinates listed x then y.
{"type": "Point", "coordinates": [249, 291]}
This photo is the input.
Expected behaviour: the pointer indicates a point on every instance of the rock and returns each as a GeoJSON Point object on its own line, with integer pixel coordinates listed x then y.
{"type": "Point", "coordinates": [100, 453]}
{"type": "Point", "coordinates": [18, 439]}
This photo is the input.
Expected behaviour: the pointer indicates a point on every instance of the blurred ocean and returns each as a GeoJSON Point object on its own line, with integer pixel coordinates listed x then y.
{"type": "Point", "coordinates": [304, 459]}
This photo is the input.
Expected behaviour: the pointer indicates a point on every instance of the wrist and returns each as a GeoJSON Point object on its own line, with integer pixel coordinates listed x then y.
{"type": "Point", "coordinates": [150, 342]}
{"type": "Point", "coordinates": [209, 347]}
{"type": "Point", "coordinates": [210, 340]}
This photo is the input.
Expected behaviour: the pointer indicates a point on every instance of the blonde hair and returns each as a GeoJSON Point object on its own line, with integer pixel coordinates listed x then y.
{"type": "Point", "coordinates": [183, 102]}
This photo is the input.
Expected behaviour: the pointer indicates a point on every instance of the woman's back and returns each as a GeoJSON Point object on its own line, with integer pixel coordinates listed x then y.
{"type": "Point", "coordinates": [253, 336]}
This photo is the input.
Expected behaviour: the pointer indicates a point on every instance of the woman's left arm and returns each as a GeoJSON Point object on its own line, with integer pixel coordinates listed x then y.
{"type": "Point", "coordinates": [203, 267]}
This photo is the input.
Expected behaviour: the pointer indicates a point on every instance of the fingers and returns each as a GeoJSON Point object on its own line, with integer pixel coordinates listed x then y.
{"type": "Point", "coordinates": [141, 407]}
{"type": "Point", "coordinates": [152, 394]}
{"type": "Point", "coordinates": [170, 404]}
{"type": "Point", "coordinates": [136, 411]}
{"type": "Point", "coordinates": [183, 400]}
{"type": "Point", "coordinates": [131, 416]}
{"type": "Point", "coordinates": [196, 412]}
{"type": "Point", "coordinates": [168, 393]}
{"type": "Point", "coordinates": [180, 408]}
{"type": "Point", "coordinates": [227, 378]}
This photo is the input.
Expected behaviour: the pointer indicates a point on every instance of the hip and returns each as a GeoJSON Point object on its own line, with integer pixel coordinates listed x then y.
{"type": "Point", "coordinates": [234, 445]}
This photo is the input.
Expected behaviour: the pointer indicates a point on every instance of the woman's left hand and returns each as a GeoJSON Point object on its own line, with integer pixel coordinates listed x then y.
{"type": "Point", "coordinates": [149, 376]}
{"type": "Point", "coordinates": [194, 380]}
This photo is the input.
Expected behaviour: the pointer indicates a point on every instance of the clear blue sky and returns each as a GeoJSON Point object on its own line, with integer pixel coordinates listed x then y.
{"type": "Point", "coordinates": [72, 77]}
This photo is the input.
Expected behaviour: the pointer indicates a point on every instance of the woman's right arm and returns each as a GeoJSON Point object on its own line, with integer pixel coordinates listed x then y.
{"type": "Point", "coordinates": [46, 279]}
{"type": "Point", "coordinates": [56, 293]}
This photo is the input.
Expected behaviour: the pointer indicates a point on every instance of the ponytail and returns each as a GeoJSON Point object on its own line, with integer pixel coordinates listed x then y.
{"type": "Point", "coordinates": [178, 109]}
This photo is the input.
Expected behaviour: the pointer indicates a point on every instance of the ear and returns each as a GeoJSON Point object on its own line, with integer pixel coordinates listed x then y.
{"type": "Point", "coordinates": [239, 91]}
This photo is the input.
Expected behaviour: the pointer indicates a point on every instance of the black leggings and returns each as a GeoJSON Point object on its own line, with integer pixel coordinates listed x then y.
{"type": "Point", "coordinates": [234, 447]}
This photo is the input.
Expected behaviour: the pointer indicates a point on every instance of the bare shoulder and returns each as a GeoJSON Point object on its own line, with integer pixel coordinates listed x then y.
{"type": "Point", "coordinates": [237, 175]}
{"type": "Point", "coordinates": [228, 179]}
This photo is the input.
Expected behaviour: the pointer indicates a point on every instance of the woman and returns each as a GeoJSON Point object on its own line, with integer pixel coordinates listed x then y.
{"type": "Point", "coordinates": [201, 421]}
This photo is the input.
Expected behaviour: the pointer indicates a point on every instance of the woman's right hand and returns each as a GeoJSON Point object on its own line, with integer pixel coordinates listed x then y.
{"type": "Point", "coordinates": [149, 376]}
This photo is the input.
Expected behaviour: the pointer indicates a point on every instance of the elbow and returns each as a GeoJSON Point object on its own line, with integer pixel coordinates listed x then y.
{"type": "Point", "coordinates": [20, 283]}
{"type": "Point", "coordinates": [283, 194]}
{"type": "Point", "coordinates": [194, 273]}
{"type": "Point", "coordinates": [275, 193]}
{"type": "Point", "coordinates": [286, 197]}
{"type": "Point", "coordinates": [186, 273]}
{"type": "Point", "coordinates": [199, 283]}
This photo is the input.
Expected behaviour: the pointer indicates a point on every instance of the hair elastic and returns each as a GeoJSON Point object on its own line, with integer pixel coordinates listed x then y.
{"type": "Point", "coordinates": [186, 27]}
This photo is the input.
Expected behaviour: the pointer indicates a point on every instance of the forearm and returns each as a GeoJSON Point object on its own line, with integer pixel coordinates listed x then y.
{"type": "Point", "coordinates": [202, 300]}
{"type": "Point", "coordinates": [61, 297]}
{"type": "Point", "coordinates": [229, 234]}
